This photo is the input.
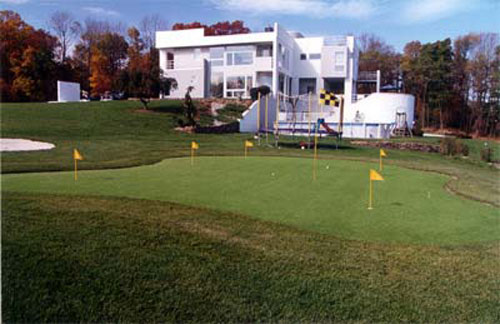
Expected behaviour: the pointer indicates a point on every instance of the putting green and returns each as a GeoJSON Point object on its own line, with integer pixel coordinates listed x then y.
{"type": "Point", "coordinates": [409, 206]}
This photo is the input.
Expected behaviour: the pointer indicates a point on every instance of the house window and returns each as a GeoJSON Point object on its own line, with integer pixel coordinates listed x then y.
{"type": "Point", "coordinates": [238, 86]}
{"type": "Point", "coordinates": [264, 50]}
{"type": "Point", "coordinates": [303, 57]}
{"type": "Point", "coordinates": [339, 58]}
{"type": "Point", "coordinates": [217, 84]}
{"type": "Point", "coordinates": [216, 56]}
{"type": "Point", "coordinates": [239, 58]}
{"type": "Point", "coordinates": [315, 56]}
{"type": "Point", "coordinates": [339, 61]}
{"type": "Point", "coordinates": [170, 61]}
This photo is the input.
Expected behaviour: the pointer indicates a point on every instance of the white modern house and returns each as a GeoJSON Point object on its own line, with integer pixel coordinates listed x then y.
{"type": "Point", "coordinates": [290, 64]}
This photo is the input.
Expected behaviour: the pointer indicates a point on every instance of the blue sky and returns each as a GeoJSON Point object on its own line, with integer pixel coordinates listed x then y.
{"type": "Point", "coordinates": [396, 21]}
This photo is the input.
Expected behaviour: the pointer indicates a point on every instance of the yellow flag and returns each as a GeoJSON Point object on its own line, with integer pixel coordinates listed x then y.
{"type": "Point", "coordinates": [382, 153]}
{"type": "Point", "coordinates": [77, 155]}
{"type": "Point", "coordinates": [194, 145]}
{"type": "Point", "coordinates": [248, 144]}
{"type": "Point", "coordinates": [375, 176]}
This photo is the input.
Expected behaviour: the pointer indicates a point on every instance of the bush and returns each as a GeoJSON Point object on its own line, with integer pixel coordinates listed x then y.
{"type": "Point", "coordinates": [462, 148]}
{"type": "Point", "coordinates": [487, 154]}
{"type": "Point", "coordinates": [447, 146]}
{"type": "Point", "coordinates": [264, 90]}
{"type": "Point", "coordinates": [452, 146]}
{"type": "Point", "coordinates": [231, 112]}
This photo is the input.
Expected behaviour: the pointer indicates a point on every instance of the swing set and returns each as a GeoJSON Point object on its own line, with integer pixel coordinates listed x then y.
{"type": "Point", "coordinates": [299, 116]}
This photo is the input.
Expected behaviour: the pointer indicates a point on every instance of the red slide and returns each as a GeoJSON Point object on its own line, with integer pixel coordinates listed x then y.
{"type": "Point", "coordinates": [329, 130]}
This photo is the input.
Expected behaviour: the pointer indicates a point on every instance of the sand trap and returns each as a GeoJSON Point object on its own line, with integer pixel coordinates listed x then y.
{"type": "Point", "coordinates": [19, 144]}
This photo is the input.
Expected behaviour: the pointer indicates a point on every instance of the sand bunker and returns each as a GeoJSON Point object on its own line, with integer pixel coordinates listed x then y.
{"type": "Point", "coordinates": [19, 144]}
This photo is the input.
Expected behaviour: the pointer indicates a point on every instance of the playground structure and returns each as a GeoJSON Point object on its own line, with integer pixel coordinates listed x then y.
{"type": "Point", "coordinates": [378, 115]}
{"type": "Point", "coordinates": [291, 115]}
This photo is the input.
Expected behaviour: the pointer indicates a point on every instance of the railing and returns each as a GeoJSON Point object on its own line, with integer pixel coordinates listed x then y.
{"type": "Point", "coordinates": [367, 76]}
{"type": "Point", "coordinates": [335, 41]}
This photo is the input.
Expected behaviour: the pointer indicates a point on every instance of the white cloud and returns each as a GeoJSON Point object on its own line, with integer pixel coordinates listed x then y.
{"type": "Point", "coordinates": [429, 10]}
{"type": "Point", "coordinates": [101, 11]}
{"type": "Point", "coordinates": [14, 2]}
{"type": "Point", "coordinates": [314, 8]}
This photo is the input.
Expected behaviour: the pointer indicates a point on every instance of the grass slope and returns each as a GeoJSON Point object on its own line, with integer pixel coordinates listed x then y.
{"type": "Point", "coordinates": [115, 134]}
{"type": "Point", "coordinates": [411, 206]}
{"type": "Point", "coordinates": [70, 259]}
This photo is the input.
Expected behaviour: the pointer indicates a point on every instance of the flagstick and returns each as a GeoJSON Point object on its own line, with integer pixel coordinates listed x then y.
{"type": "Point", "coordinates": [380, 163]}
{"type": "Point", "coordinates": [309, 122]}
{"type": "Point", "coordinates": [267, 122]}
{"type": "Point", "coordinates": [276, 123]}
{"type": "Point", "coordinates": [245, 150]}
{"type": "Point", "coordinates": [371, 194]}
{"type": "Point", "coordinates": [315, 160]}
{"type": "Point", "coordinates": [76, 172]}
{"type": "Point", "coordinates": [258, 118]}
{"type": "Point", "coordinates": [192, 156]}
{"type": "Point", "coordinates": [315, 157]}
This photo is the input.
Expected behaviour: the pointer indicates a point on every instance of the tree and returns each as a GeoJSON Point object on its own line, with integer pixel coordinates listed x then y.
{"type": "Point", "coordinates": [28, 68]}
{"type": "Point", "coordinates": [108, 56]}
{"type": "Point", "coordinates": [375, 54]}
{"type": "Point", "coordinates": [219, 28]}
{"type": "Point", "coordinates": [148, 27]}
{"type": "Point", "coordinates": [462, 47]}
{"type": "Point", "coordinates": [484, 72]}
{"type": "Point", "coordinates": [90, 32]}
{"type": "Point", "coordinates": [142, 77]}
{"type": "Point", "coordinates": [66, 30]}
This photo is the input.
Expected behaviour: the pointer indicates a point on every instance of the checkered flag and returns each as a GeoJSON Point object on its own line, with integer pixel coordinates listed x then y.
{"type": "Point", "coordinates": [328, 99]}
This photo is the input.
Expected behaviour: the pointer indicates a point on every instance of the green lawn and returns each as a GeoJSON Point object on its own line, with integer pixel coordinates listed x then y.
{"type": "Point", "coordinates": [116, 134]}
{"type": "Point", "coordinates": [96, 259]}
{"type": "Point", "coordinates": [222, 242]}
{"type": "Point", "coordinates": [411, 206]}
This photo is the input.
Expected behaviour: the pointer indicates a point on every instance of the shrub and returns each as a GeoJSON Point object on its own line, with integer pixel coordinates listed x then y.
{"type": "Point", "coordinates": [487, 154]}
{"type": "Point", "coordinates": [462, 148]}
{"type": "Point", "coordinates": [448, 146]}
{"type": "Point", "coordinates": [264, 90]}
{"type": "Point", "coordinates": [231, 112]}
{"type": "Point", "coordinates": [452, 146]}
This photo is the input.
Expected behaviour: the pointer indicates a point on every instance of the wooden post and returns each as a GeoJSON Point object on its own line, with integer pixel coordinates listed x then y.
{"type": "Point", "coordinates": [76, 171]}
{"type": "Point", "coordinates": [266, 120]}
{"type": "Point", "coordinates": [258, 118]}
{"type": "Point", "coordinates": [371, 194]}
{"type": "Point", "coordinates": [309, 122]}
{"type": "Point", "coordinates": [341, 117]}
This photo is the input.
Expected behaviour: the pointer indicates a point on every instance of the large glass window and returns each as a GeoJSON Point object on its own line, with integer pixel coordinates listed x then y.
{"type": "Point", "coordinates": [238, 86]}
{"type": "Point", "coordinates": [239, 58]}
{"type": "Point", "coordinates": [216, 56]}
{"type": "Point", "coordinates": [217, 84]}
{"type": "Point", "coordinates": [235, 82]}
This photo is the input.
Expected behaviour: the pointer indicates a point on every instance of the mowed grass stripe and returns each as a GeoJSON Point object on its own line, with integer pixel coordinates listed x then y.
{"type": "Point", "coordinates": [410, 206]}
{"type": "Point", "coordinates": [94, 259]}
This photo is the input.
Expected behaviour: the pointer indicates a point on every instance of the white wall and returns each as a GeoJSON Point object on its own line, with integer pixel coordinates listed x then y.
{"type": "Point", "coordinates": [195, 38]}
{"type": "Point", "coordinates": [307, 68]}
{"type": "Point", "coordinates": [68, 91]}
{"type": "Point", "coordinates": [381, 108]}
{"type": "Point", "coordinates": [248, 123]}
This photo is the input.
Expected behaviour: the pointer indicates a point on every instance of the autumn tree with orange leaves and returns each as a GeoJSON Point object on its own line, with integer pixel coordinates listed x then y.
{"type": "Point", "coordinates": [27, 60]}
